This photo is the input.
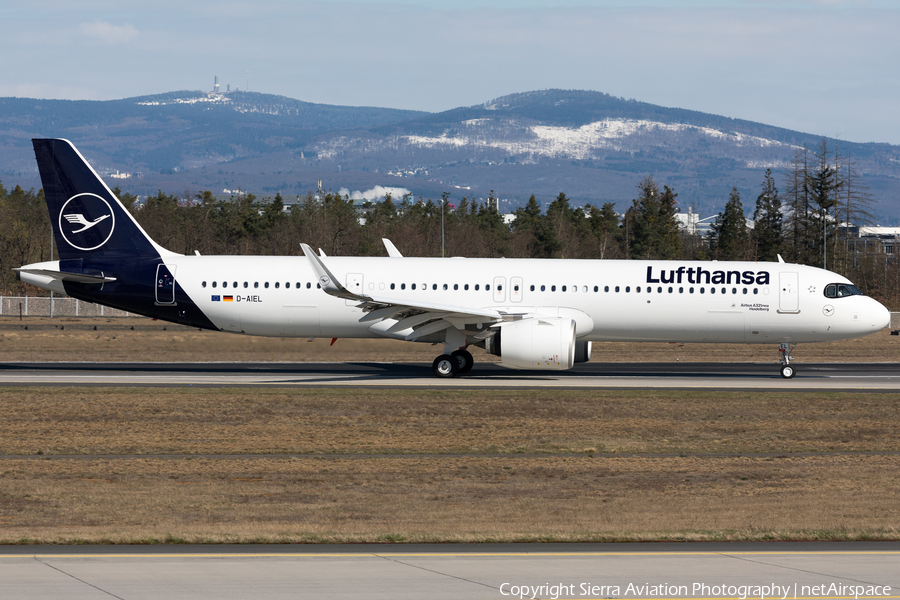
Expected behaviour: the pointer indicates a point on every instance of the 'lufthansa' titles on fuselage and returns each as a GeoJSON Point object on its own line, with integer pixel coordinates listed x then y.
{"type": "Point", "coordinates": [699, 275]}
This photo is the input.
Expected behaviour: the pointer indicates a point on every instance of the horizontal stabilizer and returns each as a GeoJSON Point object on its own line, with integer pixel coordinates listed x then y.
{"type": "Point", "coordinates": [63, 276]}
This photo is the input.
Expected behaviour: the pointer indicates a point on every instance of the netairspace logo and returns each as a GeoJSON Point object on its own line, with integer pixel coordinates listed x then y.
{"type": "Point", "coordinates": [773, 591]}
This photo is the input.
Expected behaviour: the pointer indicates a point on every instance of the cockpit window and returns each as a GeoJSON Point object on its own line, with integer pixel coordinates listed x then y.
{"type": "Point", "coordinates": [840, 290]}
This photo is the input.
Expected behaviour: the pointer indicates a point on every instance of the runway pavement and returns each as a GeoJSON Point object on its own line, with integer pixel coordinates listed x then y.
{"type": "Point", "coordinates": [454, 571]}
{"type": "Point", "coordinates": [683, 375]}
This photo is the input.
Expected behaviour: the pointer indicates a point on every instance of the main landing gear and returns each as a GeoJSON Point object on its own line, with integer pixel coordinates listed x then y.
{"type": "Point", "coordinates": [787, 371]}
{"type": "Point", "coordinates": [457, 362]}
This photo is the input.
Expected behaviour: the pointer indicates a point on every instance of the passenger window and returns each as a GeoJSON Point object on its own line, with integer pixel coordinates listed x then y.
{"type": "Point", "coordinates": [308, 285]}
{"type": "Point", "coordinates": [234, 285]}
{"type": "Point", "coordinates": [552, 288]}
{"type": "Point", "coordinates": [203, 284]}
{"type": "Point", "coordinates": [455, 286]}
{"type": "Point", "coordinates": [755, 291]}
{"type": "Point", "coordinates": [476, 287]}
{"type": "Point", "coordinates": [487, 287]}
{"type": "Point", "coordinates": [659, 290]}
{"type": "Point", "coordinates": [670, 289]}
{"type": "Point", "coordinates": [277, 284]}
{"type": "Point", "coordinates": [627, 288]}
{"type": "Point", "coordinates": [266, 285]}
{"type": "Point", "coordinates": [402, 286]}
{"type": "Point", "coordinates": [638, 289]}
{"type": "Point", "coordinates": [617, 289]}
{"type": "Point", "coordinates": [224, 284]}
{"type": "Point", "coordinates": [745, 291]}
{"type": "Point", "coordinates": [413, 286]}
{"type": "Point", "coordinates": [215, 283]}
{"type": "Point", "coordinates": [515, 288]}
{"type": "Point", "coordinates": [246, 285]}
{"type": "Point", "coordinates": [734, 290]}
{"type": "Point", "coordinates": [434, 286]}
{"type": "Point", "coordinates": [681, 290]}
{"type": "Point", "coordinates": [392, 286]}
{"type": "Point", "coordinates": [596, 288]}
{"type": "Point", "coordinates": [445, 286]}
{"type": "Point", "coordinates": [563, 288]}
{"type": "Point", "coordinates": [499, 288]}
{"type": "Point", "coordinates": [543, 288]}
{"type": "Point", "coordinates": [605, 288]}
{"type": "Point", "coordinates": [691, 290]}
{"type": "Point", "coordinates": [712, 290]}
{"type": "Point", "coordinates": [702, 290]}
{"type": "Point", "coordinates": [532, 288]}
{"type": "Point", "coordinates": [255, 284]}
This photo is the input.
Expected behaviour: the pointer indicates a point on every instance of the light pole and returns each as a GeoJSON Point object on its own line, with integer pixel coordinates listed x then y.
{"type": "Point", "coordinates": [444, 197]}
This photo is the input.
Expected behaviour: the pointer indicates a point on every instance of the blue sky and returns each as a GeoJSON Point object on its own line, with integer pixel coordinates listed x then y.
{"type": "Point", "coordinates": [827, 67]}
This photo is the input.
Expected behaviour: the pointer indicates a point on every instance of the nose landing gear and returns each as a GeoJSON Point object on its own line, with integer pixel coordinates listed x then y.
{"type": "Point", "coordinates": [785, 349]}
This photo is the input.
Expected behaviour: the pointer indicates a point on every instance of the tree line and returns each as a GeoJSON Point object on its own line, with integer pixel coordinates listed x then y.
{"type": "Point", "coordinates": [804, 222]}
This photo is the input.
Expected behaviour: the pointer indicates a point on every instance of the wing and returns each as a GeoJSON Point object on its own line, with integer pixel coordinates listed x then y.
{"type": "Point", "coordinates": [400, 314]}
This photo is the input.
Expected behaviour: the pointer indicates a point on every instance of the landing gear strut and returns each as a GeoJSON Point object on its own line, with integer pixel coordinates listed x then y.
{"type": "Point", "coordinates": [787, 371]}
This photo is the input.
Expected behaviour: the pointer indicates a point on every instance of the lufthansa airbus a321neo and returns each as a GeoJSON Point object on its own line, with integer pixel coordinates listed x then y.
{"type": "Point", "coordinates": [533, 313]}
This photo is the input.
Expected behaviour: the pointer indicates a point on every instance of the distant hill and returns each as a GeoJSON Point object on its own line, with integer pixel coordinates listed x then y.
{"type": "Point", "coordinates": [590, 145]}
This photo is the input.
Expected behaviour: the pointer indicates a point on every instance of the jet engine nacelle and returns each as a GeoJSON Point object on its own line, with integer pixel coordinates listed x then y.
{"type": "Point", "coordinates": [539, 343]}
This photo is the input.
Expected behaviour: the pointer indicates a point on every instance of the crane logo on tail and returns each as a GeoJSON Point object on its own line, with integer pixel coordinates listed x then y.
{"type": "Point", "coordinates": [86, 221]}
{"type": "Point", "coordinates": [79, 218]}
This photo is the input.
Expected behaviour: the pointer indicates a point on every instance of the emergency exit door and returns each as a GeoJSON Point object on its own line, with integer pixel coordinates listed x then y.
{"type": "Point", "coordinates": [788, 292]}
{"type": "Point", "coordinates": [165, 284]}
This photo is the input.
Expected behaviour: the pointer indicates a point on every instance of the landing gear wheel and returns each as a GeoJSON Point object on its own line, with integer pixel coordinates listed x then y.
{"type": "Point", "coordinates": [465, 360]}
{"type": "Point", "coordinates": [445, 366]}
{"type": "Point", "coordinates": [787, 371]}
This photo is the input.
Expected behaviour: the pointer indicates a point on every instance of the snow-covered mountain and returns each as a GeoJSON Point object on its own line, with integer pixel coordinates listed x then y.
{"type": "Point", "coordinates": [590, 145]}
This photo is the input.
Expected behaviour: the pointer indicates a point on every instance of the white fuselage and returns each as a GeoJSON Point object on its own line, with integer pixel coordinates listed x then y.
{"type": "Point", "coordinates": [652, 301]}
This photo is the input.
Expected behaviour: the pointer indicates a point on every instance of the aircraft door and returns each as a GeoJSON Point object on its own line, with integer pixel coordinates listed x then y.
{"type": "Point", "coordinates": [499, 289]}
{"type": "Point", "coordinates": [789, 293]}
{"type": "Point", "coordinates": [354, 284]}
{"type": "Point", "coordinates": [165, 284]}
{"type": "Point", "coordinates": [515, 289]}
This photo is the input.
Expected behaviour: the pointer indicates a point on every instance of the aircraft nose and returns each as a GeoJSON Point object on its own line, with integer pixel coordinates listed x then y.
{"type": "Point", "coordinates": [886, 317]}
{"type": "Point", "coordinates": [881, 316]}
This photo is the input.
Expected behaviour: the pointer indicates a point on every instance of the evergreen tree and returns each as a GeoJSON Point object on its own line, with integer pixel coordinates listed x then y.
{"type": "Point", "coordinates": [652, 231]}
{"type": "Point", "coordinates": [823, 186]}
{"type": "Point", "coordinates": [768, 221]}
{"type": "Point", "coordinates": [728, 234]}
{"type": "Point", "coordinates": [605, 227]}
{"type": "Point", "coordinates": [800, 236]}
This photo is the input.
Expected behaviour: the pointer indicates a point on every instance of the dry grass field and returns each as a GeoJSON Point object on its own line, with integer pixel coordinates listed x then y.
{"type": "Point", "coordinates": [172, 465]}
{"type": "Point", "coordinates": [303, 465]}
{"type": "Point", "coordinates": [71, 339]}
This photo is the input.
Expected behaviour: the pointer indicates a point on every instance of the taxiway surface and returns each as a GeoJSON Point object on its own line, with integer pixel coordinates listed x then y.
{"type": "Point", "coordinates": [682, 375]}
{"type": "Point", "coordinates": [479, 571]}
